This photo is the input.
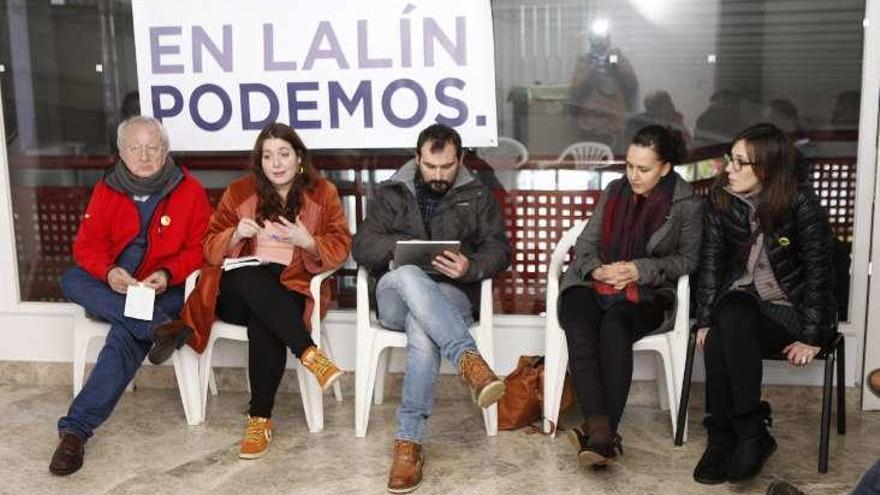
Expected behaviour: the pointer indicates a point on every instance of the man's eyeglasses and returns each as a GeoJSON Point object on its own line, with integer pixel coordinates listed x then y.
{"type": "Point", "coordinates": [735, 163]}
{"type": "Point", "coordinates": [150, 150]}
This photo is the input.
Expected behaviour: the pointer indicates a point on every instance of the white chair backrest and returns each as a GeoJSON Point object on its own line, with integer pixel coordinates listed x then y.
{"type": "Point", "coordinates": [508, 155]}
{"type": "Point", "coordinates": [565, 243]}
{"type": "Point", "coordinates": [587, 155]}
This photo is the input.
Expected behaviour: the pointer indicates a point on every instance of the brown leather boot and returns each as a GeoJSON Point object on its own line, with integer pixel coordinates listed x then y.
{"type": "Point", "coordinates": [602, 444]}
{"type": "Point", "coordinates": [874, 382]}
{"type": "Point", "coordinates": [486, 387]}
{"type": "Point", "coordinates": [68, 456]}
{"type": "Point", "coordinates": [406, 467]}
{"type": "Point", "coordinates": [167, 338]}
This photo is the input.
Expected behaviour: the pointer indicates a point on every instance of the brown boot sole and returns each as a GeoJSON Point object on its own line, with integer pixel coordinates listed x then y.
{"type": "Point", "coordinates": [405, 489]}
{"type": "Point", "coordinates": [491, 394]}
{"type": "Point", "coordinates": [590, 458]}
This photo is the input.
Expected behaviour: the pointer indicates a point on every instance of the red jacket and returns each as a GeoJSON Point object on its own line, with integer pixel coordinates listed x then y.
{"type": "Point", "coordinates": [174, 239]}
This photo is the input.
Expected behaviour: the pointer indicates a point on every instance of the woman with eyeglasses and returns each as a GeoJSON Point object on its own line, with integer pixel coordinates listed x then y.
{"type": "Point", "coordinates": [620, 287]}
{"type": "Point", "coordinates": [764, 289]}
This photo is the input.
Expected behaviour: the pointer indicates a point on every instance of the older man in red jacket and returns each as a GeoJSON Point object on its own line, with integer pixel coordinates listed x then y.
{"type": "Point", "coordinates": [143, 225]}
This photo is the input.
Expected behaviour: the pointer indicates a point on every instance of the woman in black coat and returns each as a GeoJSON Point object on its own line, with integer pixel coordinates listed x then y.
{"type": "Point", "coordinates": [764, 288]}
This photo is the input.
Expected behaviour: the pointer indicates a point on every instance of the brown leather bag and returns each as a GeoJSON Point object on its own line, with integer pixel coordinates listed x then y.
{"type": "Point", "coordinates": [523, 399]}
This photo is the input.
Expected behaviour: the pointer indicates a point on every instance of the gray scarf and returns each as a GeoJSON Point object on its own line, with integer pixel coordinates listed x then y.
{"type": "Point", "coordinates": [119, 177]}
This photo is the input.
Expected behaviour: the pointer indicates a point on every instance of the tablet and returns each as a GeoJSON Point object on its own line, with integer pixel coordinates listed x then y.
{"type": "Point", "coordinates": [422, 253]}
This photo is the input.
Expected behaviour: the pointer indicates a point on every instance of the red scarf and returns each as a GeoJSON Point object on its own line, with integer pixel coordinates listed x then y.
{"type": "Point", "coordinates": [628, 222]}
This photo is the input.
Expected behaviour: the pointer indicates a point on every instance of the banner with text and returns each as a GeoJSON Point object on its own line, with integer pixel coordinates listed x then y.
{"type": "Point", "coordinates": [343, 73]}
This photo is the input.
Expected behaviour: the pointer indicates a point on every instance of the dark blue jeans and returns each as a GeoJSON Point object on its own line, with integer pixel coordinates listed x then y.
{"type": "Point", "coordinates": [126, 347]}
{"type": "Point", "coordinates": [870, 483]}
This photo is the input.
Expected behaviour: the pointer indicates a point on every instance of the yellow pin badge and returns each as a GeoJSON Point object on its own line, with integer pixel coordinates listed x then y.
{"type": "Point", "coordinates": [784, 242]}
{"type": "Point", "coordinates": [165, 220]}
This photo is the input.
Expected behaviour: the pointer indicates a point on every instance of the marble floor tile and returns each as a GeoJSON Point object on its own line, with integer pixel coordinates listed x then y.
{"type": "Point", "coordinates": [146, 448]}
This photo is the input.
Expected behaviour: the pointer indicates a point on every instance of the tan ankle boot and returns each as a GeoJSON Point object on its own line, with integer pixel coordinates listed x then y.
{"type": "Point", "coordinates": [406, 467]}
{"type": "Point", "coordinates": [486, 387]}
{"type": "Point", "coordinates": [321, 366]}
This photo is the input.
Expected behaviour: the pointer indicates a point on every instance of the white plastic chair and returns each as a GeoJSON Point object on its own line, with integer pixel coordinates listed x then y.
{"type": "Point", "coordinates": [587, 155]}
{"type": "Point", "coordinates": [671, 347]}
{"type": "Point", "coordinates": [312, 397]}
{"type": "Point", "coordinates": [372, 363]}
{"type": "Point", "coordinates": [508, 155]}
{"type": "Point", "coordinates": [185, 360]}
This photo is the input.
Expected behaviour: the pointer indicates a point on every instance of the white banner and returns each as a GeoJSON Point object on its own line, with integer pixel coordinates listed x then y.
{"type": "Point", "coordinates": [343, 73]}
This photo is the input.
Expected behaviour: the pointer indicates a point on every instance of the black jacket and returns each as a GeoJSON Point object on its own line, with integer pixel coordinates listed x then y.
{"type": "Point", "coordinates": [468, 213]}
{"type": "Point", "coordinates": [799, 250]}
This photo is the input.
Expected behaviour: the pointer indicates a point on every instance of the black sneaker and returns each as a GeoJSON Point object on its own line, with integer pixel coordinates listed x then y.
{"type": "Point", "coordinates": [168, 338]}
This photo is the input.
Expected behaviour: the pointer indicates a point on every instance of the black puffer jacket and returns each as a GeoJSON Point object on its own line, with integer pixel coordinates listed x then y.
{"type": "Point", "coordinates": [799, 251]}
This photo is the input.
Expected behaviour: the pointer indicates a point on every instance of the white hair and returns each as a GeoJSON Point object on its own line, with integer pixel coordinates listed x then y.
{"type": "Point", "coordinates": [146, 120]}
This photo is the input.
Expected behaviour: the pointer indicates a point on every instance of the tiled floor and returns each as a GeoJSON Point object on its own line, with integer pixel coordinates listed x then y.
{"type": "Point", "coordinates": [146, 448]}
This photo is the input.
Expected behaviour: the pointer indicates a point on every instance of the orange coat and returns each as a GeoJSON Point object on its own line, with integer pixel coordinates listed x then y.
{"type": "Point", "coordinates": [321, 212]}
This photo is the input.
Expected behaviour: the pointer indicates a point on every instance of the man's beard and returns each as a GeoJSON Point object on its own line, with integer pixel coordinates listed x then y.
{"type": "Point", "coordinates": [438, 187]}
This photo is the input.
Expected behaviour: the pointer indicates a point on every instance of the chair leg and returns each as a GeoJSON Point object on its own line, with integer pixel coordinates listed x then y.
{"type": "Point", "coordinates": [186, 369]}
{"type": "Point", "coordinates": [668, 392]}
{"type": "Point", "coordinates": [206, 373]}
{"type": "Point", "coordinates": [381, 374]}
{"type": "Point", "coordinates": [661, 373]}
{"type": "Point", "coordinates": [841, 387]}
{"type": "Point", "coordinates": [80, 349]}
{"type": "Point", "coordinates": [212, 382]}
{"type": "Point", "coordinates": [365, 380]}
{"type": "Point", "coordinates": [490, 420]}
{"type": "Point", "coordinates": [825, 426]}
{"type": "Point", "coordinates": [328, 350]}
{"type": "Point", "coordinates": [312, 397]}
{"type": "Point", "coordinates": [555, 365]}
{"type": "Point", "coordinates": [685, 390]}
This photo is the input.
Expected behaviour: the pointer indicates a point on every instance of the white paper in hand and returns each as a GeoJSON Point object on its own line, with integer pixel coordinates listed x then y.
{"type": "Point", "coordinates": [139, 302]}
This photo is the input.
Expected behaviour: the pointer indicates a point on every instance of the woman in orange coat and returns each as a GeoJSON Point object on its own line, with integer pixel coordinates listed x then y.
{"type": "Point", "coordinates": [292, 219]}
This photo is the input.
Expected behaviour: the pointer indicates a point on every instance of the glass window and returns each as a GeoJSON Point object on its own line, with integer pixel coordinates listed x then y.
{"type": "Point", "coordinates": [575, 81]}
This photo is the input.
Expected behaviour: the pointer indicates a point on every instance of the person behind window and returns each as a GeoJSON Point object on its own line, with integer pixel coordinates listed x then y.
{"type": "Point", "coordinates": [720, 121]}
{"type": "Point", "coordinates": [290, 217]}
{"type": "Point", "coordinates": [784, 115]}
{"type": "Point", "coordinates": [659, 110]}
{"type": "Point", "coordinates": [620, 287]}
{"type": "Point", "coordinates": [433, 198]}
{"type": "Point", "coordinates": [143, 224]}
{"type": "Point", "coordinates": [764, 288]}
{"type": "Point", "coordinates": [603, 91]}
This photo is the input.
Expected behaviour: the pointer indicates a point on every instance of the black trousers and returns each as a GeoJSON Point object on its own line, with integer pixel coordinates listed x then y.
{"type": "Point", "coordinates": [739, 338]}
{"type": "Point", "coordinates": [600, 348]}
{"type": "Point", "coordinates": [254, 297]}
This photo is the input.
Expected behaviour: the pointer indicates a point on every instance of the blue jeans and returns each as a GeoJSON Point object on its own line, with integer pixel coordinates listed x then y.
{"type": "Point", "coordinates": [126, 347]}
{"type": "Point", "coordinates": [436, 317]}
{"type": "Point", "coordinates": [870, 483]}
